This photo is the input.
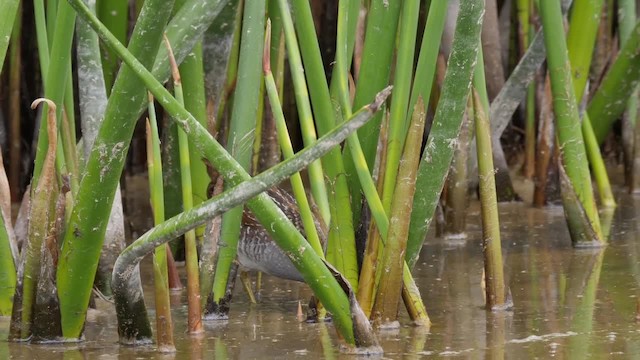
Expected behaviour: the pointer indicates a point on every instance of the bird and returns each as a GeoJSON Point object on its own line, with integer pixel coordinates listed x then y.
{"type": "Point", "coordinates": [256, 248]}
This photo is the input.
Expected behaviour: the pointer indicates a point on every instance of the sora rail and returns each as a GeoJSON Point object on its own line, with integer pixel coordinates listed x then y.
{"type": "Point", "coordinates": [258, 251]}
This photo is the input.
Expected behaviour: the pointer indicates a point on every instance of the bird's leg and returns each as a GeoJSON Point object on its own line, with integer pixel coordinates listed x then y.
{"type": "Point", "coordinates": [246, 283]}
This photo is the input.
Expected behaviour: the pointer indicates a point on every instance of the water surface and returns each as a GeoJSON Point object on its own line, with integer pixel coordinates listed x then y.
{"type": "Point", "coordinates": [568, 303]}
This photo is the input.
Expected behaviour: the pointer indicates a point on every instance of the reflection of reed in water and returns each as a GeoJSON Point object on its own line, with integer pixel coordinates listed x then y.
{"type": "Point", "coordinates": [496, 324]}
{"type": "Point", "coordinates": [581, 296]}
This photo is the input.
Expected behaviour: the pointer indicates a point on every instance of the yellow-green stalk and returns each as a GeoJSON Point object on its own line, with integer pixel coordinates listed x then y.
{"type": "Point", "coordinates": [194, 317]}
{"type": "Point", "coordinates": [494, 274]}
{"type": "Point", "coordinates": [389, 290]}
{"type": "Point", "coordinates": [164, 324]}
{"type": "Point", "coordinates": [307, 127]}
{"type": "Point", "coordinates": [398, 122]}
{"type": "Point", "coordinates": [525, 33]}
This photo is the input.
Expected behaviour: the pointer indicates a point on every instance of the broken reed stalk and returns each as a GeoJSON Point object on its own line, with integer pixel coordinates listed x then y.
{"type": "Point", "coordinates": [38, 230]}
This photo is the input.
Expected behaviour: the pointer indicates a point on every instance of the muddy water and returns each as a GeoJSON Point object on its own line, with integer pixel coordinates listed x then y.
{"type": "Point", "coordinates": [569, 304]}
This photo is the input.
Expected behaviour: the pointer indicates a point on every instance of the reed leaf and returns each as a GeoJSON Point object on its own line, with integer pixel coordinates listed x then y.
{"type": "Point", "coordinates": [241, 133]}
{"type": "Point", "coordinates": [92, 98]}
{"type": "Point", "coordinates": [9, 9]}
{"type": "Point", "coordinates": [84, 236]}
{"type": "Point", "coordinates": [164, 323]}
{"type": "Point", "coordinates": [341, 250]}
{"type": "Point", "coordinates": [623, 76]}
{"type": "Point", "coordinates": [446, 125]}
{"type": "Point", "coordinates": [8, 275]}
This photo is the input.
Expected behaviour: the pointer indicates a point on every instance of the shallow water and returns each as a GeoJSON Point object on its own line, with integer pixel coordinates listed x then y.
{"type": "Point", "coordinates": [567, 304]}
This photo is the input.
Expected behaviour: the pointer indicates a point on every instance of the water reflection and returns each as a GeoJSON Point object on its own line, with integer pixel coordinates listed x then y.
{"type": "Point", "coordinates": [567, 304]}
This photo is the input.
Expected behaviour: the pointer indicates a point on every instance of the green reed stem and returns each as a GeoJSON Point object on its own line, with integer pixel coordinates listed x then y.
{"type": "Point", "coordinates": [287, 150]}
{"type": "Point", "coordinates": [623, 76]}
{"type": "Point", "coordinates": [566, 110]}
{"type": "Point", "coordinates": [341, 249]}
{"type": "Point", "coordinates": [164, 323]}
{"type": "Point", "coordinates": [581, 39]}
{"type": "Point", "coordinates": [305, 115]}
{"type": "Point", "coordinates": [494, 273]}
{"type": "Point", "coordinates": [56, 78]}
{"type": "Point", "coordinates": [375, 69]}
{"type": "Point", "coordinates": [241, 132]}
{"type": "Point", "coordinates": [9, 9]}
{"type": "Point", "coordinates": [402, 87]}
{"type": "Point", "coordinates": [114, 14]}
{"type": "Point", "coordinates": [194, 317]}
